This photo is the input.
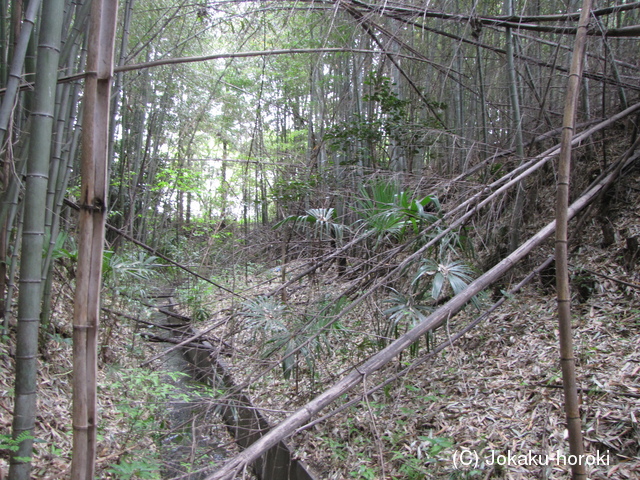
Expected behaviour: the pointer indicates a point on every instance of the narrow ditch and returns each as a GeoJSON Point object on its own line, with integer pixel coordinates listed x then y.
{"type": "Point", "coordinates": [196, 448]}
{"type": "Point", "coordinates": [196, 444]}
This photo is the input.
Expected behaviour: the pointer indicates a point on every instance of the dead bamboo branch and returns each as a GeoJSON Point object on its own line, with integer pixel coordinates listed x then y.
{"type": "Point", "coordinates": [471, 207]}
{"type": "Point", "coordinates": [92, 219]}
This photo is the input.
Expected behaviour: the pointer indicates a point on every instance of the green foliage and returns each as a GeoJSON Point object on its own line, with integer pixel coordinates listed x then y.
{"type": "Point", "coordinates": [364, 472]}
{"type": "Point", "coordinates": [407, 310]}
{"type": "Point", "coordinates": [405, 313]}
{"type": "Point", "coordinates": [387, 120]}
{"type": "Point", "coordinates": [321, 222]}
{"type": "Point", "coordinates": [116, 267]}
{"type": "Point", "coordinates": [456, 275]}
{"type": "Point", "coordinates": [58, 248]}
{"type": "Point", "coordinates": [13, 445]}
{"type": "Point", "coordinates": [404, 310]}
{"type": "Point", "coordinates": [282, 331]}
{"type": "Point", "coordinates": [389, 213]}
{"type": "Point", "coordinates": [130, 467]}
{"type": "Point", "coordinates": [432, 446]}
{"type": "Point", "coordinates": [183, 178]}
{"type": "Point", "coordinates": [289, 191]}
{"type": "Point", "coordinates": [195, 298]}
{"type": "Point", "coordinates": [416, 467]}
{"type": "Point", "coordinates": [265, 315]}
{"type": "Point", "coordinates": [142, 415]}
{"type": "Point", "coordinates": [338, 449]}
{"type": "Point", "coordinates": [128, 273]}
{"type": "Point", "coordinates": [122, 272]}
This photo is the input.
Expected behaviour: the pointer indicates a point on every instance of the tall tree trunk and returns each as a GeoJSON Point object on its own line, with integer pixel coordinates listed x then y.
{"type": "Point", "coordinates": [33, 237]}
{"type": "Point", "coordinates": [224, 186]}
{"type": "Point", "coordinates": [8, 211]}
{"type": "Point", "coordinates": [567, 360]}
{"type": "Point", "coordinates": [483, 103]}
{"type": "Point", "coordinates": [58, 182]}
{"type": "Point", "coordinates": [4, 10]}
{"type": "Point", "coordinates": [517, 130]}
{"type": "Point", "coordinates": [117, 93]}
{"type": "Point", "coordinates": [93, 209]}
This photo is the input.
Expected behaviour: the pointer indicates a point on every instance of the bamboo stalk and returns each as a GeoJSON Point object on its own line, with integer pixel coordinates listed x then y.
{"type": "Point", "coordinates": [567, 359]}
{"type": "Point", "coordinates": [24, 415]}
{"type": "Point", "coordinates": [92, 218]}
{"type": "Point", "coordinates": [15, 74]}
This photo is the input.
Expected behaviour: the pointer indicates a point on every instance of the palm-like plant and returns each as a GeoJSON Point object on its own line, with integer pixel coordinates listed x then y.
{"type": "Point", "coordinates": [282, 332]}
{"type": "Point", "coordinates": [403, 308]}
{"type": "Point", "coordinates": [408, 310]}
{"type": "Point", "coordinates": [321, 222]}
{"type": "Point", "coordinates": [389, 214]}
{"type": "Point", "coordinates": [266, 315]}
{"type": "Point", "coordinates": [454, 274]}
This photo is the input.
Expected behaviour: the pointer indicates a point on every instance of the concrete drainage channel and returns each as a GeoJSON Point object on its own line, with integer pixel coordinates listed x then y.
{"type": "Point", "coordinates": [243, 421]}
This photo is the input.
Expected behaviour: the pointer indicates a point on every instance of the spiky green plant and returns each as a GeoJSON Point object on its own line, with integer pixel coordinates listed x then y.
{"type": "Point", "coordinates": [265, 315]}
{"type": "Point", "coordinates": [320, 221]}
{"type": "Point", "coordinates": [128, 273]}
{"type": "Point", "coordinates": [405, 311]}
{"type": "Point", "coordinates": [389, 214]}
{"type": "Point", "coordinates": [404, 308]}
{"type": "Point", "coordinates": [282, 331]}
{"type": "Point", "coordinates": [455, 275]}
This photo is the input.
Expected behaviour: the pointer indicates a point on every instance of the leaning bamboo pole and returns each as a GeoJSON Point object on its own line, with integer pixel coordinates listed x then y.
{"type": "Point", "coordinates": [288, 426]}
{"type": "Point", "coordinates": [470, 207]}
{"type": "Point", "coordinates": [567, 360]}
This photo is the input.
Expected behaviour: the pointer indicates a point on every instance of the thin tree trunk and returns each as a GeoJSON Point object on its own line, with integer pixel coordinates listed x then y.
{"type": "Point", "coordinates": [8, 211]}
{"type": "Point", "coordinates": [33, 237]}
{"type": "Point", "coordinates": [567, 360]}
{"type": "Point", "coordinates": [483, 104]}
{"type": "Point", "coordinates": [117, 93]}
{"type": "Point", "coordinates": [93, 209]}
{"type": "Point", "coordinates": [516, 122]}
{"type": "Point", "coordinates": [15, 74]}
{"type": "Point", "coordinates": [13, 267]}
{"type": "Point", "coordinates": [4, 9]}
{"type": "Point", "coordinates": [59, 174]}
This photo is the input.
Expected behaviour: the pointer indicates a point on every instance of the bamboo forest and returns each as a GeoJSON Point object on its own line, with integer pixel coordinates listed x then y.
{"type": "Point", "coordinates": [319, 239]}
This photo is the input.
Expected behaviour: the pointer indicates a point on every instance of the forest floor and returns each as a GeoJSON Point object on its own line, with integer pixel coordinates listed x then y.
{"type": "Point", "coordinates": [493, 400]}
